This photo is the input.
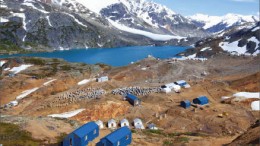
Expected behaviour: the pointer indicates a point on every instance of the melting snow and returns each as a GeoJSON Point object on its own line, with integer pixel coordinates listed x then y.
{"type": "Point", "coordinates": [49, 22]}
{"type": "Point", "coordinates": [4, 20]}
{"type": "Point", "coordinates": [204, 49]}
{"type": "Point", "coordinates": [85, 81]}
{"type": "Point", "coordinates": [2, 63]}
{"type": "Point", "coordinates": [26, 93]}
{"type": "Point", "coordinates": [29, 4]}
{"type": "Point", "coordinates": [153, 36]}
{"type": "Point", "coordinates": [76, 20]}
{"type": "Point", "coordinates": [255, 29]}
{"type": "Point", "coordinates": [255, 105]}
{"type": "Point", "coordinates": [18, 69]}
{"type": "Point", "coordinates": [21, 15]}
{"type": "Point", "coordinates": [47, 83]}
{"type": "Point", "coordinates": [254, 39]}
{"type": "Point", "coordinates": [247, 94]}
{"type": "Point", "coordinates": [6, 69]}
{"type": "Point", "coordinates": [67, 114]}
{"type": "Point", "coordinates": [233, 47]}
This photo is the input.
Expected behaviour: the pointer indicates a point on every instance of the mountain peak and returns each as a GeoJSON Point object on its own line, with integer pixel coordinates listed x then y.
{"type": "Point", "coordinates": [219, 23]}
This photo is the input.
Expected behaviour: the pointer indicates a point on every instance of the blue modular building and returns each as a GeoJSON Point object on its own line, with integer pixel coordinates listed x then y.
{"type": "Point", "coordinates": [133, 99]}
{"type": "Point", "coordinates": [185, 104]}
{"type": "Point", "coordinates": [181, 83]}
{"type": "Point", "coordinates": [83, 135]}
{"type": "Point", "coordinates": [120, 137]}
{"type": "Point", "coordinates": [201, 100]}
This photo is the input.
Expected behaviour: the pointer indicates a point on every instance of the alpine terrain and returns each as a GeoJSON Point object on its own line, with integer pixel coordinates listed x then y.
{"type": "Point", "coordinates": [66, 24]}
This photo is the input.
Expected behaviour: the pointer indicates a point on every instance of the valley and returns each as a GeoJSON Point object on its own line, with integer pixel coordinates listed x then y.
{"type": "Point", "coordinates": [178, 77]}
{"type": "Point", "coordinates": [213, 78]}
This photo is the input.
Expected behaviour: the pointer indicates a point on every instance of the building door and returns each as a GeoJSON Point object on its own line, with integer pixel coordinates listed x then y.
{"type": "Point", "coordinates": [71, 142]}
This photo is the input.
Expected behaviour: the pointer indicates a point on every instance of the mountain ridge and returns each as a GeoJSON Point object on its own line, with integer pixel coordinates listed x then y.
{"type": "Point", "coordinates": [216, 24]}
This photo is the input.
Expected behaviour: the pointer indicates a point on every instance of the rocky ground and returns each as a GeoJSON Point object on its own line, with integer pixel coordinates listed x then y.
{"type": "Point", "coordinates": [221, 75]}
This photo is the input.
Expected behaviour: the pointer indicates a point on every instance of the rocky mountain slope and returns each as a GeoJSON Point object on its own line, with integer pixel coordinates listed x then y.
{"type": "Point", "coordinates": [152, 17]}
{"type": "Point", "coordinates": [66, 24]}
{"type": "Point", "coordinates": [240, 40]}
{"type": "Point", "coordinates": [216, 24]}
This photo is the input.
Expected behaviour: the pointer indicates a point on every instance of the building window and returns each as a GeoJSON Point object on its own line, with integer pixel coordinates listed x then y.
{"type": "Point", "coordinates": [86, 138]}
{"type": "Point", "coordinates": [95, 131]}
{"type": "Point", "coordinates": [127, 137]}
{"type": "Point", "coordinates": [118, 143]}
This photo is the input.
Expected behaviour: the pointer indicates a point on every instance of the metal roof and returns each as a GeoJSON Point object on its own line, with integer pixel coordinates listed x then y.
{"type": "Point", "coordinates": [118, 134]}
{"type": "Point", "coordinates": [132, 97]}
{"type": "Point", "coordinates": [99, 122]}
{"type": "Point", "coordinates": [181, 81]}
{"type": "Point", "coordinates": [112, 121]}
{"type": "Point", "coordinates": [137, 120]}
{"type": "Point", "coordinates": [124, 121]}
{"type": "Point", "coordinates": [85, 129]}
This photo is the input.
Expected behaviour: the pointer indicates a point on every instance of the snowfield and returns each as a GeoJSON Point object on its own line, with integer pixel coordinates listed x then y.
{"type": "Point", "coordinates": [2, 20]}
{"type": "Point", "coordinates": [26, 93]}
{"type": "Point", "coordinates": [67, 114]}
{"type": "Point", "coordinates": [256, 28]}
{"type": "Point", "coordinates": [228, 19]}
{"type": "Point", "coordinates": [85, 81]}
{"type": "Point", "coordinates": [232, 47]}
{"type": "Point", "coordinates": [246, 95]}
{"type": "Point", "coordinates": [47, 83]}
{"type": "Point", "coordinates": [2, 63]}
{"type": "Point", "coordinates": [18, 69]}
{"type": "Point", "coordinates": [255, 105]}
{"type": "Point", "coordinates": [158, 37]}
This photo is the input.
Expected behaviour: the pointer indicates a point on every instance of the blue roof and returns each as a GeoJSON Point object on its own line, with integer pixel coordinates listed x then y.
{"type": "Point", "coordinates": [118, 134]}
{"type": "Point", "coordinates": [201, 100]}
{"type": "Point", "coordinates": [132, 97]}
{"type": "Point", "coordinates": [85, 129]}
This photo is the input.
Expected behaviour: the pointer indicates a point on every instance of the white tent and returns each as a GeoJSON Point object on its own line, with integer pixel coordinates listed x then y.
{"type": "Point", "coordinates": [102, 79]}
{"type": "Point", "coordinates": [152, 127]}
{"type": "Point", "coordinates": [138, 124]}
{"type": "Point", "coordinates": [112, 124]}
{"type": "Point", "coordinates": [170, 85]}
{"type": "Point", "coordinates": [124, 122]}
{"type": "Point", "coordinates": [166, 90]}
{"type": "Point", "coordinates": [177, 88]}
{"type": "Point", "coordinates": [100, 124]}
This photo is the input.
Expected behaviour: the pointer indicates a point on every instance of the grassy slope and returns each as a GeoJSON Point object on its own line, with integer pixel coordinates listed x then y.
{"type": "Point", "coordinates": [11, 135]}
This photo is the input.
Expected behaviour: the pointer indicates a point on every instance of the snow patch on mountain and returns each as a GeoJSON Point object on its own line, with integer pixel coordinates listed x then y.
{"type": "Point", "coordinates": [20, 68]}
{"type": "Point", "coordinates": [30, 4]}
{"type": "Point", "coordinates": [67, 114]}
{"type": "Point", "coordinates": [49, 22]}
{"type": "Point", "coordinates": [158, 37]}
{"type": "Point", "coordinates": [76, 20]}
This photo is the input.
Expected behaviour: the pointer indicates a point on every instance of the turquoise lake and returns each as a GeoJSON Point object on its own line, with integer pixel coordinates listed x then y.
{"type": "Point", "coordinates": [111, 56]}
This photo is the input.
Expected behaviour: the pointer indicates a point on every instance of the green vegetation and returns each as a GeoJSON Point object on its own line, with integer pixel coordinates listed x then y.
{"type": "Point", "coordinates": [66, 67]}
{"type": "Point", "coordinates": [11, 135]}
{"type": "Point", "coordinates": [104, 66]}
{"type": "Point", "coordinates": [35, 61]}
{"type": "Point", "coordinates": [183, 139]}
{"type": "Point", "coordinates": [9, 47]}
{"type": "Point", "coordinates": [167, 142]}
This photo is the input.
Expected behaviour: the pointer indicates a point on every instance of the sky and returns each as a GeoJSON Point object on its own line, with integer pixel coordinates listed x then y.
{"type": "Point", "coordinates": [212, 7]}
